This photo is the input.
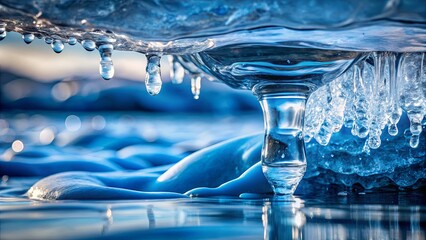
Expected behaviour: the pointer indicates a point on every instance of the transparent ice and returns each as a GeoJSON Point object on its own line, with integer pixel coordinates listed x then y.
{"type": "Point", "coordinates": [360, 63]}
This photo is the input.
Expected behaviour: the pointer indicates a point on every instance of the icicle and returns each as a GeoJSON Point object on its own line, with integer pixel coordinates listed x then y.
{"type": "Point", "coordinates": [315, 113]}
{"type": "Point", "coordinates": [28, 37]}
{"type": "Point", "coordinates": [153, 75]}
{"type": "Point", "coordinates": [72, 41]}
{"type": "Point", "coordinates": [2, 31]}
{"type": "Point", "coordinates": [347, 89]}
{"type": "Point", "coordinates": [411, 98]}
{"type": "Point", "coordinates": [196, 86]}
{"type": "Point", "coordinates": [106, 67]}
{"type": "Point", "coordinates": [57, 46]}
{"type": "Point", "coordinates": [378, 102]}
{"type": "Point", "coordinates": [395, 109]}
{"type": "Point", "coordinates": [361, 103]}
{"type": "Point", "coordinates": [325, 131]}
{"type": "Point", "coordinates": [89, 45]}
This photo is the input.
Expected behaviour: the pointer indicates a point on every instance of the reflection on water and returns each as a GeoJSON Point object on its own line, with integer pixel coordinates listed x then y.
{"type": "Point", "coordinates": [351, 217]}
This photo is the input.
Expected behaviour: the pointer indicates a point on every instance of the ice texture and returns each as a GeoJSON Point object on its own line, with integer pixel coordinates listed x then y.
{"type": "Point", "coordinates": [369, 97]}
{"type": "Point", "coordinates": [182, 27]}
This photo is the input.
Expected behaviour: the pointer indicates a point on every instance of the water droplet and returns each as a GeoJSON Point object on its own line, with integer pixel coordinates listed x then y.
{"type": "Point", "coordinates": [72, 41]}
{"type": "Point", "coordinates": [196, 86]}
{"type": "Point", "coordinates": [28, 38]}
{"type": "Point", "coordinates": [153, 76]}
{"type": "Point", "coordinates": [2, 35]}
{"type": "Point", "coordinates": [2, 31]}
{"type": "Point", "coordinates": [89, 45]}
{"type": "Point", "coordinates": [48, 40]}
{"type": "Point", "coordinates": [106, 67]}
{"type": "Point", "coordinates": [393, 129]}
{"type": "Point", "coordinates": [57, 46]}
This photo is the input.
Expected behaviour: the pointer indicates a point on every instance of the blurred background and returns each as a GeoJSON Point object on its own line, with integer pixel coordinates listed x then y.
{"type": "Point", "coordinates": [33, 77]}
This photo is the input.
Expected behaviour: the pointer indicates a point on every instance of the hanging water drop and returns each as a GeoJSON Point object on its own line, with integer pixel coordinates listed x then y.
{"type": "Point", "coordinates": [72, 41]}
{"type": "Point", "coordinates": [28, 38]}
{"type": "Point", "coordinates": [196, 86]}
{"type": "Point", "coordinates": [153, 76]}
{"type": "Point", "coordinates": [106, 67]}
{"type": "Point", "coordinates": [57, 46]}
{"type": "Point", "coordinates": [89, 45]}
{"type": "Point", "coordinates": [48, 40]}
{"type": "Point", "coordinates": [2, 31]}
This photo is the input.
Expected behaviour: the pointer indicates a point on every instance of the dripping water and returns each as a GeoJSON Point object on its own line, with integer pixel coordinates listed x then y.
{"type": "Point", "coordinates": [28, 38]}
{"type": "Point", "coordinates": [89, 45]}
{"type": "Point", "coordinates": [48, 40]}
{"type": "Point", "coordinates": [72, 41]}
{"type": "Point", "coordinates": [57, 46]}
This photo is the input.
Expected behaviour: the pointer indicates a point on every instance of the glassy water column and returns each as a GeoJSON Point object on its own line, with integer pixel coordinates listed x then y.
{"type": "Point", "coordinates": [283, 152]}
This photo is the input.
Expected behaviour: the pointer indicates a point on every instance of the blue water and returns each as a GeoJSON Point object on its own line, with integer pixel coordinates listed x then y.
{"type": "Point", "coordinates": [128, 142]}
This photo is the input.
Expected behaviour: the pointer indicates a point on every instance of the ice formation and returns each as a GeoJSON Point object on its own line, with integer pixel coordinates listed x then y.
{"type": "Point", "coordinates": [367, 59]}
{"type": "Point", "coordinates": [369, 97]}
